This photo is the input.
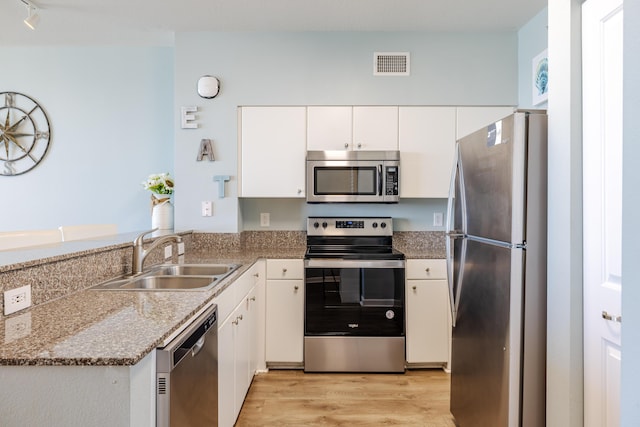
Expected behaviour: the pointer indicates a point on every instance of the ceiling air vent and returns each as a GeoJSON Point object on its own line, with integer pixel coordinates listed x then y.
{"type": "Point", "coordinates": [391, 63]}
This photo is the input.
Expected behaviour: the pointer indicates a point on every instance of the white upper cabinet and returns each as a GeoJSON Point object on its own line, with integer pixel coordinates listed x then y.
{"type": "Point", "coordinates": [470, 119]}
{"type": "Point", "coordinates": [352, 128]}
{"type": "Point", "coordinates": [375, 128]}
{"type": "Point", "coordinates": [272, 151]}
{"type": "Point", "coordinates": [427, 137]}
{"type": "Point", "coordinates": [329, 128]}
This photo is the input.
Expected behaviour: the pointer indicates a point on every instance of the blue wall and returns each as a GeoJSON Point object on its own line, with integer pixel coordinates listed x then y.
{"type": "Point", "coordinates": [115, 115]}
{"type": "Point", "coordinates": [319, 68]}
{"type": "Point", "coordinates": [111, 115]}
{"type": "Point", "coordinates": [532, 40]}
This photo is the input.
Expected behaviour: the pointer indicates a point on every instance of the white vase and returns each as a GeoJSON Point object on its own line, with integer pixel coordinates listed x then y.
{"type": "Point", "coordinates": [162, 213]}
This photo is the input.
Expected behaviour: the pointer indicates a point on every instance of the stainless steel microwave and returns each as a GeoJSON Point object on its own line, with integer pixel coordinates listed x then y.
{"type": "Point", "coordinates": [353, 176]}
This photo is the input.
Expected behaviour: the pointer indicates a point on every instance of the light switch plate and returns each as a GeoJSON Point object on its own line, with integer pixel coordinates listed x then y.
{"type": "Point", "coordinates": [207, 208]}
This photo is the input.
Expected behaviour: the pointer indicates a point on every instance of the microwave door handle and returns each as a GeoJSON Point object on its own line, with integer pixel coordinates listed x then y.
{"type": "Point", "coordinates": [379, 180]}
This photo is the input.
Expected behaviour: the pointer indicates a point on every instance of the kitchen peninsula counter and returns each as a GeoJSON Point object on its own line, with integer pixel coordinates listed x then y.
{"type": "Point", "coordinates": [113, 327]}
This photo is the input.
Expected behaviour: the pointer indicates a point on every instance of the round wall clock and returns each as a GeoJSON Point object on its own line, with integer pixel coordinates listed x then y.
{"type": "Point", "coordinates": [24, 133]}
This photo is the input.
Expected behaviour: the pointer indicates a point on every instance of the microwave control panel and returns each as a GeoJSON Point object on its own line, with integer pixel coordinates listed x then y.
{"type": "Point", "coordinates": [391, 181]}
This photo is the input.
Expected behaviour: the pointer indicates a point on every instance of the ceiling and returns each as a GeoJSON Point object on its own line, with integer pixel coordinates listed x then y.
{"type": "Point", "coordinates": [78, 22]}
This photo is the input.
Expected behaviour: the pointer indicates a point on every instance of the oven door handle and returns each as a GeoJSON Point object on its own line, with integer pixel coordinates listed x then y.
{"type": "Point", "coordinates": [379, 180]}
{"type": "Point", "coordinates": [352, 263]}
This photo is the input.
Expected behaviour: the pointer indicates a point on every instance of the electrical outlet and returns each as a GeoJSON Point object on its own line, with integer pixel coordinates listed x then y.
{"type": "Point", "coordinates": [265, 219]}
{"type": "Point", "coordinates": [168, 251]}
{"type": "Point", "coordinates": [437, 219]}
{"type": "Point", "coordinates": [17, 327]}
{"type": "Point", "coordinates": [17, 299]}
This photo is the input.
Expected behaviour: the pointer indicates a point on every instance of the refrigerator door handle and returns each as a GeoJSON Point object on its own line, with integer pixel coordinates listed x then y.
{"type": "Point", "coordinates": [452, 184]}
{"type": "Point", "coordinates": [454, 299]}
{"type": "Point", "coordinates": [453, 234]}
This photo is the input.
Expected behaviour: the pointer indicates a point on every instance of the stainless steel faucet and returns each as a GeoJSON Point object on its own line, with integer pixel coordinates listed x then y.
{"type": "Point", "coordinates": [140, 253]}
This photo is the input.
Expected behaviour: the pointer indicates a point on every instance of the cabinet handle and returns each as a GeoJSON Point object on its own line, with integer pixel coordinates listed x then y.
{"type": "Point", "coordinates": [256, 275]}
{"type": "Point", "coordinates": [427, 270]}
{"type": "Point", "coordinates": [235, 322]}
{"type": "Point", "coordinates": [414, 287]}
{"type": "Point", "coordinates": [284, 271]}
{"type": "Point", "coordinates": [295, 288]}
{"type": "Point", "coordinates": [253, 298]}
{"type": "Point", "coordinates": [359, 145]}
{"type": "Point", "coordinates": [299, 191]}
{"type": "Point", "coordinates": [346, 145]}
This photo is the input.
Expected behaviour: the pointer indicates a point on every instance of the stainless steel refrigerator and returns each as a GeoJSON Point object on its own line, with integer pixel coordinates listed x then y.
{"type": "Point", "coordinates": [496, 260]}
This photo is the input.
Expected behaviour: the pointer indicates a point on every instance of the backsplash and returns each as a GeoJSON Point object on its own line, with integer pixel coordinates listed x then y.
{"type": "Point", "coordinates": [64, 275]}
{"type": "Point", "coordinates": [54, 278]}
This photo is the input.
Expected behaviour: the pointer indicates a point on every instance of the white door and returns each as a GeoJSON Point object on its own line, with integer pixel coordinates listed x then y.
{"type": "Point", "coordinates": [602, 195]}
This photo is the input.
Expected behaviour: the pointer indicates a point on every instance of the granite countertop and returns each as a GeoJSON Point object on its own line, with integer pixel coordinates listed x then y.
{"type": "Point", "coordinates": [102, 328]}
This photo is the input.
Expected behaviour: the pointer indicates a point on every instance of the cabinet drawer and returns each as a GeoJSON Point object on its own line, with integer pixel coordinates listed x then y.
{"type": "Point", "coordinates": [229, 299]}
{"type": "Point", "coordinates": [285, 269]}
{"type": "Point", "coordinates": [426, 269]}
{"type": "Point", "coordinates": [226, 302]}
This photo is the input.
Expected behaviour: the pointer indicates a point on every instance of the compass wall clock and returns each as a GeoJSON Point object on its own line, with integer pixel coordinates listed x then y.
{"type": "Point", "coordinates": [24, 133]}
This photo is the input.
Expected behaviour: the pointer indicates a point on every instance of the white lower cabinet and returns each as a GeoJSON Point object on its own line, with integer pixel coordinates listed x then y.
{"type": "Point", "coordinates": [428, 329]}
{"type": "Point", "coordinates": [240, 338]}
{"type": "Point", "coordinates": [284, 313]}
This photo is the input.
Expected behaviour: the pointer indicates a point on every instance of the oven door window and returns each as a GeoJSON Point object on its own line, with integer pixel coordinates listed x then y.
{"type": "Point", "coordinates": [354, 301]}
{"type": "Point", "coordinates": [345, 180]}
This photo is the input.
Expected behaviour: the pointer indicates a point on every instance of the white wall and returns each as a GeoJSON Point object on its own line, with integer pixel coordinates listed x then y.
{"type": "Point", "coordinates": [564, 287]}
{"type": "Point", "coordinates": [111, 114]}
{"type": "Point", "coordinates": [315, 69]}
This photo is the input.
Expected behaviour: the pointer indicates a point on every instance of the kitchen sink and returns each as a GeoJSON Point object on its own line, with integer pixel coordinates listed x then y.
{"type": "Point", "coordinates": [170, 282]}
{"type": "Point", "coordinates": [193, 269]}
{"type": "Point", "coordinates": [173, 277]}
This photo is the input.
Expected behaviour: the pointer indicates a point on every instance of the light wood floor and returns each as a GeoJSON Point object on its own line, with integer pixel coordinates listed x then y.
{"type": "Point", "coordinates": [293, 398]}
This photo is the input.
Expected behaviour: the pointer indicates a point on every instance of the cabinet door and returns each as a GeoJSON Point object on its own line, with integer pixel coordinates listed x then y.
{"type": "Point", "coordinates": [426, 139]}
{"type": "Point", "coordinates": [226, 374]}
{"type": "Point", "coordinates": [375, 128]}
{"type": "Point", "coordinates": [329, 128]}
{"type": "Point", "coordinates": [284, 321]}
{"type": "Point", "coordinates": [428, 323]}
{"type": "Point", "coordinates": [241, 325]}
{"type": "Point", "coordinates": [470, 119]}
{"type": "Point", "coordinates": [256, 310]}
{"type": "Point", "coordinates": [270, 138]}
{"type": "Point", "coordinates": [255, 313]}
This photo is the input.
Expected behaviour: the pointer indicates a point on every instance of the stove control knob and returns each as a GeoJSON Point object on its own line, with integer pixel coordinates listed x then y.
{"type": "Point", "coordinates": [375, 225]}
{"type": "Point", "coordinates": [316, 225]}
{"type": "Point", "coordinates": [383, 224]}
{"type": "Point", "coordinates": [324, 225]}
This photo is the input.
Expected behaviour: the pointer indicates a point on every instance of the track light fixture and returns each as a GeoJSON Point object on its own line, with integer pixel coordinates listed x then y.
{"type": "Point", "coordinates": [32, 18]}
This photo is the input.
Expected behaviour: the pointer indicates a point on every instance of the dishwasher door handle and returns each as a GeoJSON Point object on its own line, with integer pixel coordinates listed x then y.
{"type": "Point", "coordinates": [197, 346]}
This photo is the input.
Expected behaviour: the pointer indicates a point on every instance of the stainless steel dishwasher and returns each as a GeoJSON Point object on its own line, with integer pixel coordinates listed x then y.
{"type": "Point", "coordinates": [187, 376]}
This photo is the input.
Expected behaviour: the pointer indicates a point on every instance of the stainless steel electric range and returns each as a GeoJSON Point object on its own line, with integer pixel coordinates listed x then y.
{"type": "Point", "coordinates": [354, 296]}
